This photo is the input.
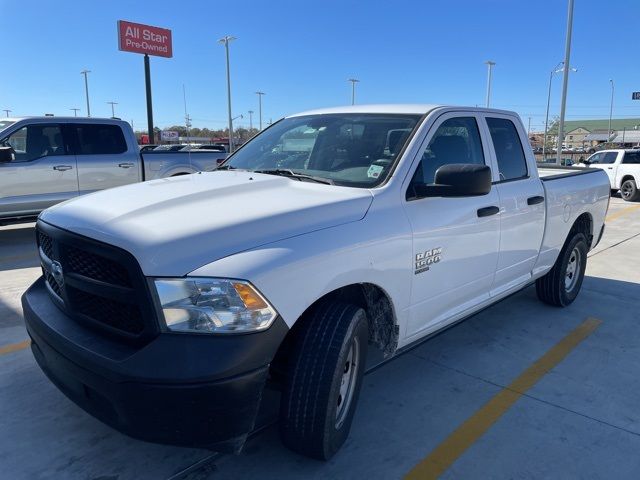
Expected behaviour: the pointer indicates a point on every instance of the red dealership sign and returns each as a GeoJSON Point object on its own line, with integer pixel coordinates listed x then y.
{"type": "Point", "coordinates": [138, 38]}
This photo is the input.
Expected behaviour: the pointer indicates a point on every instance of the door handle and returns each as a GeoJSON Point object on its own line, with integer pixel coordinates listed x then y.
{"type": "Point", "coordinates": [535, 200]}
{"type": "Point", "coordinates": [125, 165]}
{"type": "Point", "coordinates": [62, 168]}
{"type": "Point", "coordinates": [609, 168]}
{"type": "Point", "coordinates": [488, 211]}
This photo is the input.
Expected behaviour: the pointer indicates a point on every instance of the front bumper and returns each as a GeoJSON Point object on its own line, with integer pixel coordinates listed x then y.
{"type": "Point", "coordinates": [181, 389]}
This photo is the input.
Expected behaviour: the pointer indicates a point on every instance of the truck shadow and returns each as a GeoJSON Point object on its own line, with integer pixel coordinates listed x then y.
{"type": "Point", "coordinates": [18, 247]}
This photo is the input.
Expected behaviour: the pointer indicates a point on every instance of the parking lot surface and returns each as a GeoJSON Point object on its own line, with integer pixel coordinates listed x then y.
{"type": "Point", "coordinates": [520, 390]}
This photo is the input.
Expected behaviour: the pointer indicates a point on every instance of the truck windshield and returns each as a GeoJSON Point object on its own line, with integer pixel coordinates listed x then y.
{"type": "Point", "coordinates": [356, 150]}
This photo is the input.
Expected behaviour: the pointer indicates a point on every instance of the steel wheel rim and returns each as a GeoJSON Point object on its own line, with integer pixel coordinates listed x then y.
{"type": "Point", "coordinates": [573, 270]}
{"type": "Point", "coordinates": [626, 190]}
{"type": "Point", "coordinates": [347, 382]}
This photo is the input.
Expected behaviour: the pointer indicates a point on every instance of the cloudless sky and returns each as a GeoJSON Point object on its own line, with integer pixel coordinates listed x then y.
{"type": "Point", "coordinates": [301, 54]}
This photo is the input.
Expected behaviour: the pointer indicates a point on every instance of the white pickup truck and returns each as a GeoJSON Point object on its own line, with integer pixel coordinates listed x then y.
{"type": "Point", "coordinates": [168, 308]}
{"type": "Point", "coordinates": [46, 160]}
{"type": "Point", "coordinates": [623, 169]}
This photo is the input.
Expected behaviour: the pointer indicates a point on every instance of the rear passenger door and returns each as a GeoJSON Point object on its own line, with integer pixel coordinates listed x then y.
{"type": "Point", "coordinates": [522, 202]}
{"type": "Point", "coordinates": [103, 158]}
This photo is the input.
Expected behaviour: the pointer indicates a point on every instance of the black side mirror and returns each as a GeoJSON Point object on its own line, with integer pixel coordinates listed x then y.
{"type": "Point", "coordinates": [458, 180]}
{"type": "Point", "coordinates": [7, 155]}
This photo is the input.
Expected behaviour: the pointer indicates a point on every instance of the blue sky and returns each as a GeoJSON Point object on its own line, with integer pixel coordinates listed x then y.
{"type": "Point", "coordinates": [302, 53]}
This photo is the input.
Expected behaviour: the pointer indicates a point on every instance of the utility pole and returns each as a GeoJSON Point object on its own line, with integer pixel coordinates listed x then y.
{"type": "Point", "coordinates": [353, 89]}
{"type": "Point", "coordinates": [565, 81]}
{"type": "Point", "coordinates": [225, 41]}
{"type": "Point", "coordinates": [113, 111]}
{"type": "Point", "coordinates": [75, 111]}
{"type": "Point", "coordinates": [250, 119]}
{"type": "Point", "coordinates": [260, 94]}
{"type": "Point", "coordinates": [187, 118]}
{"type": "Point", "coordinates": [610, 110]}
{"type": "Point", "coordinates": [7, 111]}
{"type": "Point", "coordinates": [86, 89]}
{"type": "Point", "coordinates": [490, 66]}
{"type": "Point", "coordinates": [529, 128]}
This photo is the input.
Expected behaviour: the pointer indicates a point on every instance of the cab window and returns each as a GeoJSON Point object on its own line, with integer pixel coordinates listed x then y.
{"type": "Point", "coordinates": [36, 141]}
{"type": "Point", "coordinates": [457, 140]}
{"type": "Point", "coordinates": [512, 163]}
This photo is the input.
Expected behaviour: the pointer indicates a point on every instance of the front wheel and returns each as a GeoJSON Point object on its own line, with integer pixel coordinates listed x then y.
{"type": "Point", "coordinates": [629, 191]}
{"type": "Point", "coordinates": [324, 378]}
{"type": "Point", "coordinates": [561, 285]}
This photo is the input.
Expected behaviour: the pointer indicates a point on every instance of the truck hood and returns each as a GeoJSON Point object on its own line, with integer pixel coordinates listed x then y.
{"type": "Point", "coordinates": [175, 225]}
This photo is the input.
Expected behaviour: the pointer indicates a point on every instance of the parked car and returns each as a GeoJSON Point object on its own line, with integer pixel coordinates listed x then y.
{"type": "Point", "coordinates": [623, 169]}
{"type": "Point", "coordinates": [169, 308]}
{"type": "Point", "coordinates": [46, 160]}
{"type": "Point", "coordinates": [146, 148]}
{"type": "Point", "coordinates": [214, 148]}
{"type": "Point", "coordinates": [176, 147]}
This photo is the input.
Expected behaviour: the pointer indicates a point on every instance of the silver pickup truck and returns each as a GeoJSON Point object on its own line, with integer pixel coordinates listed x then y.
{"type": "Point", "coordinates": [46, 160]}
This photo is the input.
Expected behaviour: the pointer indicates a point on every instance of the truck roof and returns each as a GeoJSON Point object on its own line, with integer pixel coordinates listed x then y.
{"type": "Point", "coordinates": [400, 108]}
{"type": "Point", "coordinates": [64, 119]}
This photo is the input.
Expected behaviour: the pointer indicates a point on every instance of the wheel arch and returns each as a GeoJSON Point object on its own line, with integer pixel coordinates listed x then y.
{"type": "Point", "coordinates": [583, 224]}
{"type": "Point", "coordinates": [382, 321]}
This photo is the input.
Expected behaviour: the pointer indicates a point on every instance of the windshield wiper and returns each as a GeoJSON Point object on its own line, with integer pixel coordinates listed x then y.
{"type": "Point", "coordinates": [285, 172]}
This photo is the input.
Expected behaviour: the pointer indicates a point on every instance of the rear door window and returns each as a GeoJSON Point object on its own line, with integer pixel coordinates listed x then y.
{"type": "Point", "coordinates": [512, 163]}
{"type": "Point", "coordinates": [631, 158]}
{"type": "Point", "coordinates": [100, 140]}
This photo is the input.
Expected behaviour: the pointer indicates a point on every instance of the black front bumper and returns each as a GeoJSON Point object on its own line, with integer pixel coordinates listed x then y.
{"type": "Point", "coordinates": [181, 389]}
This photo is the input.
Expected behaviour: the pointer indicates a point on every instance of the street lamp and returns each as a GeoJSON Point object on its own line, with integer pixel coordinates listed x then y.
{"type": "Point", "coordinates": [353, 89]}
{"type": "Point", "coordinates": [565, 81]}
{"type": "Point", "coordinates": [7, 111]}
{"type": "Point", "coordinates": [86, 89]}
{"type": "Point", "coordinates": [225, 40]}
{"type": "Point", "coordinates": [489, 65]}
{"type": "Point", "coordinates": [558, 68]}
{"type": "Point", "coordinates": [260, 94]}
{"type": "Point", "coordinates": [113, 111]}
{"type": "Point", "coordinates": [250, 119]}
{"type": "Point", "coordinates": [75, 111]}
{"type": "Point", "coordinates": [610, 110]}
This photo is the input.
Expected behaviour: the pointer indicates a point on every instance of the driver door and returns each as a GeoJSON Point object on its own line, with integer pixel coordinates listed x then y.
{"type": "Point", "coordinates": [42, 174]}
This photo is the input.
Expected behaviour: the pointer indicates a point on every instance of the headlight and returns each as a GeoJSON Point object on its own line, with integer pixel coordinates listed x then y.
{"type": "Point", "coordinates": [213, 305]}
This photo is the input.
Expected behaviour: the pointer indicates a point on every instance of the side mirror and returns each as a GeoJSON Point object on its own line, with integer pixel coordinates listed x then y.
{"type": "Point", "coordinates": [458, 180]}
{"type": "Point", "coordinates": [7, 155]}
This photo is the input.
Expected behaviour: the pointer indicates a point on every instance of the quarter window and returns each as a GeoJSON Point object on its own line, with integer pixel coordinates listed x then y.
{"type": "Point", "coordinates": [512, 163]}
{"type": "Point", "coordinates": [457, 140]}
{"type": "Point", "coordinates": [36, 141]}
{"type": "Point", "coordinates": [100, 140]}
{"type": "Point", "coordinates": [631, 157]}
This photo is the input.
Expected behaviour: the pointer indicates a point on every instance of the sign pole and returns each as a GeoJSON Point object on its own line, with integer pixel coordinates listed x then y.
{"type": "Point", "coordinates": [147, 81]}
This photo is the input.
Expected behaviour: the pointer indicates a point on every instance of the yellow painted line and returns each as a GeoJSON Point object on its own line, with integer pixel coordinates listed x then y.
{"type": "Point", "coordinates": [14, 347]}
{"type": "Point", "coordinates": [445, 454]}
{"type": "Point", "coordinates": [622, 212]}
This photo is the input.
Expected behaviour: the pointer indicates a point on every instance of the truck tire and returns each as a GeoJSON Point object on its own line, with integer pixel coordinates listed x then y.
{"type": "Point", "coordinates": [324, 379]}
{"type": "Point", "coordinates": [561, 285]}
{"type": "Point", "coordinates": [629, 191]}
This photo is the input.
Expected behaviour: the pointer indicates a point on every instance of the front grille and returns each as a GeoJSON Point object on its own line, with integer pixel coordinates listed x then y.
{"type": "Point", "coordinates": [45, 243]}
{"type": "Point", "coordinates": [96, 267]}
{"type": "Point", "coordinates": [118, 315]}
{"type": "Point", "coordinates": [98, 285]}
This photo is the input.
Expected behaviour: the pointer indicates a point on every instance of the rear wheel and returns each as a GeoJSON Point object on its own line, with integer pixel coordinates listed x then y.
{"type": "Point", "coordinates": [323, 383]}
{"type": "Point", "coordinates": [561, 285]}
{"type": "Point", "coordinates": [629, 191]}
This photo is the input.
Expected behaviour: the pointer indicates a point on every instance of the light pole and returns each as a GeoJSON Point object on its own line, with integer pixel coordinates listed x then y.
{"type": "Point", "coordinates": [353, 89]}
{"type": "Point", "coordinates": [86, 89]}
{"type": "Point", "coordinates": [75, 111]}
{"type": "Point", "coordinates": [7, 111]}
{"type": "Point", "coordinates": [260, 94]}
{"type": "Point", "coordinates": [250, 119]}
{"type": "Point", "coordinates": [113, 111]}
{"type": "Point", "coordinates": [558, 68]}
{"type": "Point", "coordinates": [225, 40]}
{"type": "Point", "coordinates": [489, 65]}
{"type": "Point", "coordinates": [610, 110]}
{"type": "Point", "coordinates": [565, 81]}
